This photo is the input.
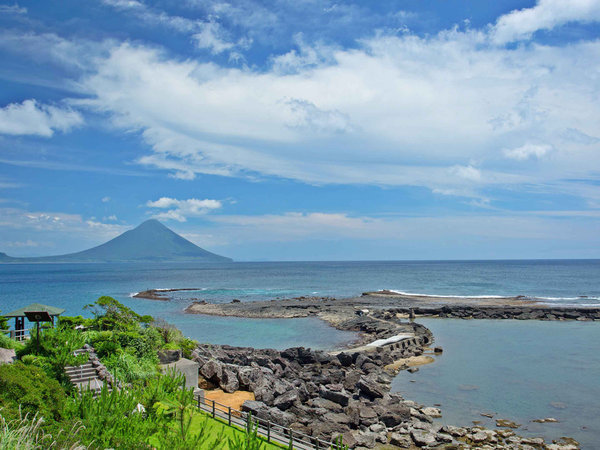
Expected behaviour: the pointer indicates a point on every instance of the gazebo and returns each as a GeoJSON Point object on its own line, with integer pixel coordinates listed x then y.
{"type": "Point", "coordinates": [42, 312]}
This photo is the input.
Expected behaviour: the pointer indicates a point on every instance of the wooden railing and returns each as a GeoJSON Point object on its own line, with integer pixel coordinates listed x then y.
{"type": "Point", "coordinates": [272, 432]}
{"type": "Point", "coordinates": [18, 335]}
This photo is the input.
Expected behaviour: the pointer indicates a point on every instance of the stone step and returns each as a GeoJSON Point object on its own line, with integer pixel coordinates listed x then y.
{"type": "Point", "coordinates": [82, 373]}
{"type": "Point", "coordinates": [78, 378]}
{"type": "Point", "coordinates": [83, 366]}
{"type": "Point", "coordinates": [94, 384]}
{"type": "Point", "coordinates": [78, 369]}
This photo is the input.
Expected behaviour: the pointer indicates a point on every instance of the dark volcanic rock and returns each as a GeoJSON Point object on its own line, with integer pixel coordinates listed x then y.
{"type": "Point", "coordinates": [212, 370]}
{"type": "Point", "coordinates": [338, 397]}
{"type": "Point", "coordinates": [254, 407]}
{"type": "Point", "coordinates": [370, 388]}
{"type": "Point", "coordinates": [286, 400]}
{"type": "Point", "coordinates": [345, 359]}
{"type": "Point", "coordinates": [229, 381]}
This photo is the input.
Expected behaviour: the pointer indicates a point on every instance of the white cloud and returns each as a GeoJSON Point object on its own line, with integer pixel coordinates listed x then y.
{"type": "Point", "coordinates": [57, 222]}
{"type": "Point", "coordinates": [397, 110]}
{"type": "Point", "coordinates": [105, 199]}
{"type": "Point", "coordinates": [19, 244]}
{"type": "Point", "coordinates": [527, 151]}
{"type": "Point", "coordinates": [180, 210]}
{"type": "Point", "coordinates": [12, 9]}
{"type": "Point", "coordinates": [33, 118]}
{"type": "Point", "coordinates": [293, 226]}
{"type": "Point", "coordinates": [152, 16]}
{"type": "Point", "coordinates": [468, 173]}
{"type": "Point", "coordinates": [212, 37]}
{"type": "Point", "coordinates": [208, 34]}
{"type": "Point", "coordinates": [545, 15]}
{"type": "Point", "coordinates": [62, 231]}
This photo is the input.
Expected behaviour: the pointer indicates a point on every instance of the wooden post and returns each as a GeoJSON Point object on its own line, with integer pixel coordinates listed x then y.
{"type": "Point", "coordinates": [291, 438]}
{"type": "Point", "coordinates": [213, 411]}
{"type": "Point", "coordinates": [229, 415]}
{"type": "Point", "coordinates": [38, 337]}
{"type": "Point", "coordinates": [268, 431]}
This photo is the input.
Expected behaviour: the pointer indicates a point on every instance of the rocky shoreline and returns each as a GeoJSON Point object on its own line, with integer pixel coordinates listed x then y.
{"type": "Point", "coordinates": [160, 294]}
{"type": "Point", "coordinates": [347, 393]}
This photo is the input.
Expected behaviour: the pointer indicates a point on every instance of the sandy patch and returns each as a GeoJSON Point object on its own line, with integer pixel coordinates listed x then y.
{"type": "Point", "coordinates": [234, 400]}
{"type": "Point", "coordinates": [411, 361]}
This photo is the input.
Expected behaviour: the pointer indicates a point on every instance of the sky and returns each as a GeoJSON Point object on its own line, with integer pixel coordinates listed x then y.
{"type": "Point", "coordinates": [303, 130]}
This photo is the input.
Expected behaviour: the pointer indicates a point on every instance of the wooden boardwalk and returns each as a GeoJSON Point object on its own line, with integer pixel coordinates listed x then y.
{"type": "Point", "coordinates": [270, 431]}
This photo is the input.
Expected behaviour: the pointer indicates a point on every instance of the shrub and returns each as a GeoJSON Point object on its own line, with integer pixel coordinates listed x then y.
{"type": "Point", "coordinates": [73, 321]}
{"type": "Point", "coordinates": [110, 314]}
{"type": "Point", "coordinates": [3, 323]}
{"type": "Point", "coordinates": [111, 420]}
{"type": "Point", "coordinates": [30, 388]}
{"type": "Point", "coordinates": [130, 369]}
{"type": "Point", "coordinates": [57, 346]}
{"type": "Point", "coordinates": [6, 342]}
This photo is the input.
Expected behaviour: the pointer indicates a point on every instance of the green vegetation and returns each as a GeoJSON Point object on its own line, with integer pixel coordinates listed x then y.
{"type": "Point", "coordinates": [39, 407]}
{"type": "Point", "coordinates": [26, 433]}
{"type": "Point", "coordinates": [3, 323]}
{"type": "Point", "coordinates": [30, 389]}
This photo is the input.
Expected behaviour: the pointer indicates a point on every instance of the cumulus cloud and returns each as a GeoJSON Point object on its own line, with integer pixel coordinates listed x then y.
{"type": "Point", "coordinates": [527, 151]}
{"type": "Point", "coordinates": [545, 15]}
{"type": "Point", "coordinates": [394, 110]}
{"type": "Point", "coordinates": [12, 9]}
{"type": "Point", "coordinates": [33, 118]}
{"type": "Point", "coordinates": [105, 199]}
{"type": "Point", "coordinates": [180, 210]}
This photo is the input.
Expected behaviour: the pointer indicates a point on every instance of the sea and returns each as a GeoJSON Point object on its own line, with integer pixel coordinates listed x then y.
{"type": "Point", "coordinates": [517, 370]}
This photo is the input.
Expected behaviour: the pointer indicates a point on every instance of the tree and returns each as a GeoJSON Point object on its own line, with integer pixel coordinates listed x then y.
{"type": "Point", "coordinates": [3, 323]}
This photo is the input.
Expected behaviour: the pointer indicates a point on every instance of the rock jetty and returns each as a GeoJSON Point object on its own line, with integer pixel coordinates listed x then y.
{"type": "Point", "coordinates": [347, 393]}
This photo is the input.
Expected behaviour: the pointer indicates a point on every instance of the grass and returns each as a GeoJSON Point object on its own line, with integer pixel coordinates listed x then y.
{"type": "Point", "coordinates": [218, 432]}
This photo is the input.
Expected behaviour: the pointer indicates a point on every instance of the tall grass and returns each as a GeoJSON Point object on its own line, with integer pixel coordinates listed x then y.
{"type": "Point", "coordinates": [25, 433]}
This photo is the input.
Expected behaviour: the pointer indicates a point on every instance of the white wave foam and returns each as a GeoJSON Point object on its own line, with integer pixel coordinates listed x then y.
{"type": "Point", "coordinates": [525, 297]}
{"type": "Point", "coordinates": [446, 296]}
{"type": "Point", "coordinates": [133, 294]}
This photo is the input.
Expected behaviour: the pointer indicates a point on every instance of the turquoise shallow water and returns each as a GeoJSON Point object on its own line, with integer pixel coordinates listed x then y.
{"type": "Point", "coordinates": [518, 370]}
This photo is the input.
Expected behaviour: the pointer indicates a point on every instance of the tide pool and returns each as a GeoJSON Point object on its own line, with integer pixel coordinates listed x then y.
{"type": "Point", "coordinates": [517, 370]}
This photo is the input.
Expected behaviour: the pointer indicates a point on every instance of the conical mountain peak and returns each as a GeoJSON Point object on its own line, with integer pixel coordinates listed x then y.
{"type": "Point", "coordinates": [149, 241]}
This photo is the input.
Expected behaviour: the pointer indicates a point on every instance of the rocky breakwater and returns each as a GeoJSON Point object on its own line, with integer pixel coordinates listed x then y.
{"type": "Point", "coordinates": [344, 393]}
{"type": "Point", "coordinates": [501, 312]}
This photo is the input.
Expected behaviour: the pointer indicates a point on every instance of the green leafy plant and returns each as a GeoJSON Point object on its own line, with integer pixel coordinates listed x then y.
{"type": "Point", "coordinates": [250, 440]}
{"type": "Point", "coordinates": [56, 347]}
{"type": "Point", "coordinates": [339, 444]}
{"type": "Point", "coordinates": [6, 342]}
{"type": "Point", "coordinates": [3, 323]}
{"type": "Point", "coordinates": [30, 389]}
{"type": "Point", "coordinates": [110, 314]}
{"type": "Point", "coordinates": [111, 419]}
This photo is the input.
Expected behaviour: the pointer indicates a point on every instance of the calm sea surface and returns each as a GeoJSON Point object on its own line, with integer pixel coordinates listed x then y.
{"type": "Point", "coordinates": [520, 370]}
{"type": "Point", "coordinates": [517, 370]}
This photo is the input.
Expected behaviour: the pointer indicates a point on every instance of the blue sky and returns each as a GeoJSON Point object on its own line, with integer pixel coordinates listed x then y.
{"type": "Point", "coordinates": [305, 130]}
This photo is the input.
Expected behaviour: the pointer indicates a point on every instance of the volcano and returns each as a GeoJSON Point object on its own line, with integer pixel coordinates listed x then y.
{"type": "Point", "coordinates": [150, 241]}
